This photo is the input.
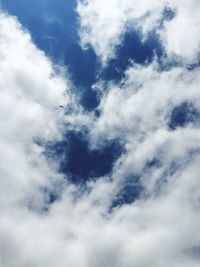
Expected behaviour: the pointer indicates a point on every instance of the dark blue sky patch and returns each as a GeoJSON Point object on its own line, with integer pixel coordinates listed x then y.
{"type": "Point", "coordinates": [194, 66]}
{"type": "Point", "coordinates": [154, 163]}
{"type": "Point", "coordinates": [46, 198]}
{"type": "Point", "coordinates": [83, 70]}
{"type": "Point", "coordinates": [182, 115]}
{"type": "Point", "coordinates": [53, 26]}
{"type": "Point", "coordinates": [51, 196]}
{"type": "Point", "coordinates": [132, 49]}
{"type": "Point", "coordinates": [83, 163]}
{"type": "Point", "coordinates": [78, 162]}
{"type": "Point", "coordinates": [130, 190]}
{"type": "Point", "coordinates": [168, 14]}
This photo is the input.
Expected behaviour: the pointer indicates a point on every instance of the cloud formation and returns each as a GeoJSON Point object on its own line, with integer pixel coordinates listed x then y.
{"type": "Point", "coordinates": [103, 25]}
{"type": "Point", "coordinates": [31, 91]}
{"type": "Point", "coordinates": [82, 227]}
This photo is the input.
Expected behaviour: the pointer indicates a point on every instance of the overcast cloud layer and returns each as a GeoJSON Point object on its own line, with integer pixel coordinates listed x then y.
{"type": "Point", "coordinates": [153, 113]}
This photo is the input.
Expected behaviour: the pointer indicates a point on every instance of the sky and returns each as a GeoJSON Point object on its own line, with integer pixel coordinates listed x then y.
{"type": "Point", "coordinates": [99, 133]}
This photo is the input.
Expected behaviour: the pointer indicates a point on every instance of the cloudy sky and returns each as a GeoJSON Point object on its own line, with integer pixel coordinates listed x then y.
{"type": "Point", "coordinates": [99, 133]}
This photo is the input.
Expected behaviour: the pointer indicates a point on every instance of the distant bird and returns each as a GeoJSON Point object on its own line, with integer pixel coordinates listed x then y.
{"type": "Point", "coordinates": [61, 106]}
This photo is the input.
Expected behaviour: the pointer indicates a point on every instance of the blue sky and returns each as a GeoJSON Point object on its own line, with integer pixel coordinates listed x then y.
{"type": "Point", "coordinates": [99, 133]}
{"type": "Point", "coordinates": [53, 26]}
{"type": "Point", "coordinates": [54, 29]}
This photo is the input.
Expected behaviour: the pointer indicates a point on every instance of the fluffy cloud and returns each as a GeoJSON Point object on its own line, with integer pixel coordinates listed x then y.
{"type": "Point", "coordinates": [143, 101]}
{"type": "Point", "coordinates": [161, 227]}
{"type": "Point", "coordinates": [180, 35]}
{"type": "Point", "coordinates": [103, 25]}
{"type": "Point", "coordinates": [31, 91]}
{"type": "Point", "coordinates": [164, 160]}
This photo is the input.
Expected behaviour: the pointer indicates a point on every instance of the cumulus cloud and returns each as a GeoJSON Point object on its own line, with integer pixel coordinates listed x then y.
{"type": "Point", "coordinates": [144, 100]}
{"type": "Point", "coordinates": [25, 114]}
{"type": "Point", "coordinates": [83, 228]}
{"type": "Point", "coordinates": [103, 25]}
{"type": "Point", "coordinates": [31, 91]}
{"type": "Point", "coordinates": [163, 160]}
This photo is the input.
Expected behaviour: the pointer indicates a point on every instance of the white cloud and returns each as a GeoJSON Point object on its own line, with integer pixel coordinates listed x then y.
{"type": "Point", "coordinates": [163, 222]}
{"type": "Point", "coordinates": [144, 100]}
{"type": "Point", "coordinates": [181, 36]}
{"type": "Point", "coordinates": [103, 25]}
{"type": "Point", "coordinates": [31, 92]}
{"type": "Point", "coordinates": [160, 229]}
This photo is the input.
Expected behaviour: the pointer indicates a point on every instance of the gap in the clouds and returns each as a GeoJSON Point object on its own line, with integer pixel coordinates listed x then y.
{"type": "Point", "coordinates": [132, 49]}
{"type": "Point", "coordinates": [46, 197]}
{"type": "Point", "coordinates": [193, 66]}
{"type": "Point", "coordinates": [54, 29]}
{"type": "Point", "coordinates": [83, 164]}
{"type": "Point", "coordinates": [182, 115]}
{"type": "Point", "coordinates": [78, 162]}
{"type": "Point", "coordinates": [168, 14]}
{"type": "Point", "coordinates": [130, 190]}
{"type": "Point", "coordinates": [51, 195]}
{"type": "Point", "coordinates": [155, 162]}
